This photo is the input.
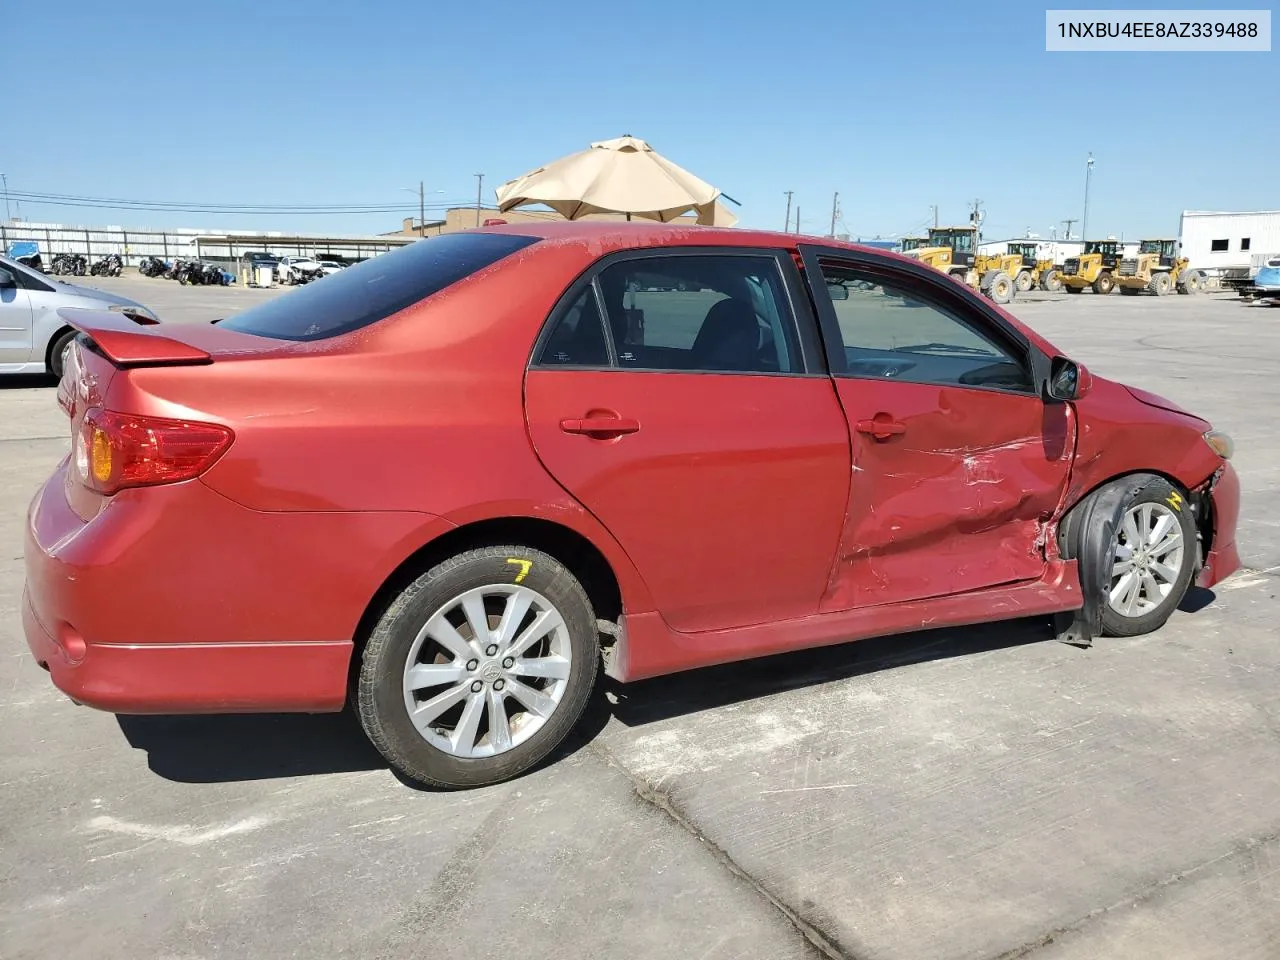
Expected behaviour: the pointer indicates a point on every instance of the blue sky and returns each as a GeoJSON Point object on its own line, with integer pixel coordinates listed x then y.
{"type": "Point", "coordinates": [895, 105]}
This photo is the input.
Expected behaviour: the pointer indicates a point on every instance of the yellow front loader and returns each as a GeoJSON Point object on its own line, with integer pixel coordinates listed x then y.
{"type": "Point", "coordinates": [953, 251]}
{"type": "Point", "coordinates": [1033, 271]}
{"type": "Point", "coordinates": [1095, 268]}
{"type": "Point", "coordinates": [1159, 270]}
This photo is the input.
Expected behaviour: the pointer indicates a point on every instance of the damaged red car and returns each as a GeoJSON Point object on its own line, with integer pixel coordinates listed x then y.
{"type": "Point", "coordinates": [454, 482]}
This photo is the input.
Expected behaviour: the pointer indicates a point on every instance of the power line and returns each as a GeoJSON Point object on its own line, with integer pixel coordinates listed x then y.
{"type": "Point", "coordinates": [174, 206]}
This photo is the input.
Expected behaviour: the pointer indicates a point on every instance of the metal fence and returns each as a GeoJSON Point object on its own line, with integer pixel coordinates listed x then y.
{"type": "Point", "coordinates": [94, 243]}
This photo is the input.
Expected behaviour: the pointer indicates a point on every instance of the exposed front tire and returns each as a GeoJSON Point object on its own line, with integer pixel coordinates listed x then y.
{"type": "Point", "coordinates": [479, 668]}
{"type": "Point", "coordinates": [1050, 281]}
{"type": "Point", "coordinates": [1022, 282]}
{"type": "Point", "coordinates": [1104, 284]}
{"type": "Point", "coordinates": [999, 287]}
{"type": "Point", "coordinates": [1160, 284]}
{"type": "Point", "coordinates": [1190, 282]}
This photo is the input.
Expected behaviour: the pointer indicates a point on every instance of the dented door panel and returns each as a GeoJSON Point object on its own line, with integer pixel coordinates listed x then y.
{"type": "Point", "coordinates": [957, 501]}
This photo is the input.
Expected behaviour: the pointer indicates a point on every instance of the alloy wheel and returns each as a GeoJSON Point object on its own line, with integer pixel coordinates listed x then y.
{"type": "Point", "coordinates": [1148, 559]}
{"type": "Point", "coordinates": [487, 670]}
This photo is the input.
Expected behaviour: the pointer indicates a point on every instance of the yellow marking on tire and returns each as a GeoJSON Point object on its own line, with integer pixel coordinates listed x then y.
{"type": "Point", "coordinates": [1174, 500]}
{"type": "Point", "coordinates": [524, 566]}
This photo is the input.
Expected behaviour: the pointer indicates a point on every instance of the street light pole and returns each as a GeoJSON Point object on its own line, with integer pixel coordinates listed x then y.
{"type": "Point", "coordinates": [422, 209]}
{"type": "Point", "coordinates": [1088, 176]}
{"type": "Point", "coordinates": [479, 195]}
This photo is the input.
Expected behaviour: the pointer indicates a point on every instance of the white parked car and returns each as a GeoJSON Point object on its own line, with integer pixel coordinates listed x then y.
{"type": "Point", "coordinates": [331, 266]}
{"type": "Point", "coordinates": [298, 269]}
{"type": "Point", "coordinates": [34, 338]}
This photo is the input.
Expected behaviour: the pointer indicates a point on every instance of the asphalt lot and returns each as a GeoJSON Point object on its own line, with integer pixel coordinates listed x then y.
{"type": "Point", "coordinates": [977, 793]}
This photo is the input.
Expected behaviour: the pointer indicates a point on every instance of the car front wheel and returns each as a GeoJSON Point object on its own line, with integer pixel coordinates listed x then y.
{"type": "Point", "coordinates": [479, 668]}
{"type": "Point", "coordinates": [1153, 559]}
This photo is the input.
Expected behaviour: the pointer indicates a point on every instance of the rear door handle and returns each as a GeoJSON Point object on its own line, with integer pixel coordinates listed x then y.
{"type": "Point", "coordinates": [881, 426]}
{"type": "Point", "coordinates": [601, 427]}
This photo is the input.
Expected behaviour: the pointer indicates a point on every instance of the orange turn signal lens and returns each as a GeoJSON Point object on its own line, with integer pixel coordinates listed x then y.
{"type": "Point", "coordinates": [1222, 444]}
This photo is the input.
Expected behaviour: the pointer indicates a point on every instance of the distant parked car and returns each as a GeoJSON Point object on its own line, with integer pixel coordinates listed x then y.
{"type": "Point", "coordinates": [331, 266]}
{"type": "Point", "coordinates": [1266, 282]}
{"type": "Point", "coordinates": [33, 337]}
{"type": "Point", "coordinates": [298, 269]}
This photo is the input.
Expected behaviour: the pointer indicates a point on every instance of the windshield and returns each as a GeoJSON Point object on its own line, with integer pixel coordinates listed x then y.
{"type": "Point", "coordinates": [1149, 246]}
{"type": "Point", "coordinates": [960, 241]}
{"type": "Point", "coordinates": [377, 288]}
{"type": "Point", "coordinates": [1100, 246]}
{"type": "Point", "coordinates": [1023, 249]}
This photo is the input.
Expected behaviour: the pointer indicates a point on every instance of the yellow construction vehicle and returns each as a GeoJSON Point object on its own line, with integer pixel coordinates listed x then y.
{"type": "Point", "coordinates": [1159, 270]}
{"type": "Point", "coordinates": [1034, 271]}
{"type": "Point", "coordinates": [1094, 268]}
{"type": "Point", "coordinates": [953, 251]}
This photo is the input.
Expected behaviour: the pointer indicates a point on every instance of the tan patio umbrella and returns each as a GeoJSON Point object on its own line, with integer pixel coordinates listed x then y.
{"type": "Point", "coordinates": [624, 175]}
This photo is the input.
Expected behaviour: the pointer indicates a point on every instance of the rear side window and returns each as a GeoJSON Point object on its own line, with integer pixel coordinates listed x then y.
{"type": "Point", "coordinates": [377, 288]}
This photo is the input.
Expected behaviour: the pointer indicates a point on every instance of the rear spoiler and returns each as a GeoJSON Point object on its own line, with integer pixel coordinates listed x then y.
{"type": "Point", "coordinates": [127, 343]}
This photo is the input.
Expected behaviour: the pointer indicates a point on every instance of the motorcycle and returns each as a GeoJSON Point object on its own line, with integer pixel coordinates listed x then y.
{"type": "Point", "coordinates": [152, 267]}
{"type": "Point", "coordinates": [214, 276]}
{"type": "Point", "coordinates": [109, 266]}
{"type": "Point", "coordinates": [68, 265]}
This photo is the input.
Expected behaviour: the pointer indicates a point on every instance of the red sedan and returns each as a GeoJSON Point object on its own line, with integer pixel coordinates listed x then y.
{"type": "Point", "coordinates": [454, 480]}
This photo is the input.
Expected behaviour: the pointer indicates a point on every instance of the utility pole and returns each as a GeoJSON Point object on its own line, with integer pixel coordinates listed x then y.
{"type": "Point", "coordinates": [1067, 224]}
{"type": "Point", "coordinates": [797, 218]}
{"type": "Point", "coordinates": [422, 209]}
{"type": "Point", "coordinates": [479, 194]}
{"type": "Point", "coordinates": [8, 217]}
{"type": "Point", "coordinates": [787, 228]}
{"type": "Point", "coordinates": [1088, 175]}
{"type": "Point", "coordinates": [975, 218]}
{"type": "Point", "coordinates": [934, 208]}
{"type": "Point", "coordinates": [835, 201]}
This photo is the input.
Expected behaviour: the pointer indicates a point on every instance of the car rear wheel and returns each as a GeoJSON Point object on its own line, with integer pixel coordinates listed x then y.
{"type": "Point", "coordinates": [58, 352]}
{"type": "Point", "coordinates": [1153, 557]}
{"type": "Point", "coordinates": [479, 668]}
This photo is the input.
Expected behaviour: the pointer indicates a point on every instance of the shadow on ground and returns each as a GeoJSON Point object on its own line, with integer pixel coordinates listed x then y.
{"type": "Point", "coordinates": [210, 749]}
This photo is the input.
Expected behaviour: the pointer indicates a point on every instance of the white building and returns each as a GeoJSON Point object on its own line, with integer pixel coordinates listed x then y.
{"type": "Point", "coordinates": [1229, 241]}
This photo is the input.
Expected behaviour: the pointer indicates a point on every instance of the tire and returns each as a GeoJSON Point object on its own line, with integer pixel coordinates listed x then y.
{"type": "Point", "coordinates": [57, 349]}
{"type": "Point", "coordinates": [1104, 284]}
{"type": "Point", "coordinates": [1051, 281]}
{"type": "Point", "coordinates": [1160, 284]}
{"type": "Point", "coordinates": [999, 287]}
{"type": "Point", "coordinates": [1095, 533]}
{"type": "Point", "coordinates": [1191, 282]}
{"type": "Point", "coordinates": [471, 679]}
{"type": "Point", "coordinates": [1071, 289]}
{"type": "Point", "coordinates": [1022, 282]}
{"type": "Point", "coordinates": [1129, 291]}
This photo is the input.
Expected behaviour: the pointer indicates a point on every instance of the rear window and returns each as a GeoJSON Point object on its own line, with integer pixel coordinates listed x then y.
{"type": "Point", "coordinates": [377, 288]}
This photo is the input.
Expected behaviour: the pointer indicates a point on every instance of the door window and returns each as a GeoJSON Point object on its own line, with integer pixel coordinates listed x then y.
{"type": "Point", "coordinates": [892, 329]}
{"type": "Point", "coordinates": [712, 313]}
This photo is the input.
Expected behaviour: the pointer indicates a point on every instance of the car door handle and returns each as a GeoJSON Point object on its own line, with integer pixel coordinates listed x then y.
{"type": "Point", "coordinates": [882, 426]}
{"type": "Point", "coordinates": [601, 427]}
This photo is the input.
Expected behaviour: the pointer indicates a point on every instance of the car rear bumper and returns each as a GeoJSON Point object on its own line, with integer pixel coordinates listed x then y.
{"type": "Point", "coordinates": [177, 600]}
{"type": "Point", "coordinates": [1223, 559]}
{"type": "Point", "coordinates": [191, 677]}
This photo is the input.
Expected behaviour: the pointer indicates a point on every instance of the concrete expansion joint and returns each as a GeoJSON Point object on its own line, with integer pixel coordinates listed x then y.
{"type": "Point", "coordinates": [1135, 899]}
{"type": "Point", "coordinates": [822, 943]}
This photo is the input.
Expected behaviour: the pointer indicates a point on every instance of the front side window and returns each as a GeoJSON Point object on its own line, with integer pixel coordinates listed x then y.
{"type": "Point", "coordinates": [712, 313]}
{"type": "Point", "coordinates": [891, 330]}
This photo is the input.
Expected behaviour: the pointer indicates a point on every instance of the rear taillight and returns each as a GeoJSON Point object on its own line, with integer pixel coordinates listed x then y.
{"type": "Point", "coordinates": [118, 450]}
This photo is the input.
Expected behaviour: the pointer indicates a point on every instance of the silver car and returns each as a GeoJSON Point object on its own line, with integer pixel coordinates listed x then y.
{"type": "Point", "coordinates": [33, 337]}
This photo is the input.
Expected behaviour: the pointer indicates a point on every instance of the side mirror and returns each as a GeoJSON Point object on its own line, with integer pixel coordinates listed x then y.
{"type": "Point", "coordinates": [838, 291]}
{"type": "Point", "coordinates": [7, 279]}
{"type": "Point", "coordinates": [1067, 380]}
